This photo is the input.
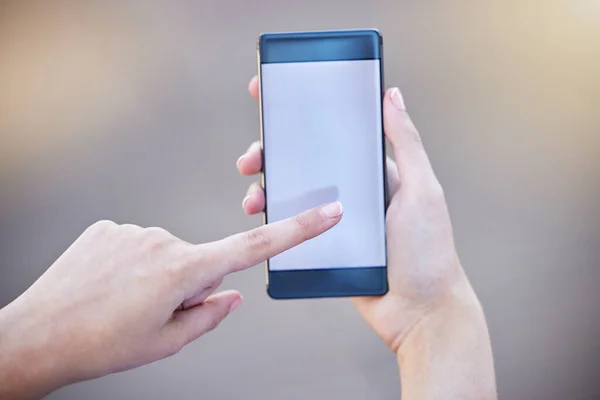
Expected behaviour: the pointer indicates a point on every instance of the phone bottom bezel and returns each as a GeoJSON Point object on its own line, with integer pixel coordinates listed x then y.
{"type": "Point", "coordinates": [334, 282]}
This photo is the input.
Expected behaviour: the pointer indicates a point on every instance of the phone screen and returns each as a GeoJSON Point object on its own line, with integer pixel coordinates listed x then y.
{"type": "Point", "coordinates": [322, 142]}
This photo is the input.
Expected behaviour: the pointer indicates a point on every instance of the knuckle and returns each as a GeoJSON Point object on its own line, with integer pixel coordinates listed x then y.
{"type": "Point", "coordinates": [183, 261]}
{"type": "Point", "coordinates": [103, 225]}
{"type": "Point", "coordinates": [173, 271]}
{"type": "Point", "coordinates": [100, 228]}
{"type": "Point", "coordinates": [186, 258]}
{"type": "Point", "coordinates": [168, 259]}
{"type": "Point", "coordinates": [155, 238]}
{"type": "Point", "coordinates": [257, 241]}
{"type": "Point", "coordinates": [156, 232]}
{"type": "Point", "coordinates": [303, 226]}
{"type": "Point", "coordinates": [130, 227]}
{"type": "Point", "coordinates": [213, 322]}
{"type": "Point", "coordinates": [129, 231]}
{"type": "Point", "coordinates": [176, 265]}
{"type": "Point", "coordinates": [200, 254]}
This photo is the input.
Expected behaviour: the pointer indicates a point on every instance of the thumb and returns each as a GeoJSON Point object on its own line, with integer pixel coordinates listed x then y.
{"type": "Point", "coordinates": [188, 325]}
{"type": "Point", "coordinates": [414, 167]}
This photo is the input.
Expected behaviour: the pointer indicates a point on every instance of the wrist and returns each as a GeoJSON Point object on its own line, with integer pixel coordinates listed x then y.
{"type": "Point", "coordinates": [29, 368]}
{"type": "Point", "coordinates": [460, 304]}
{"type": "Point", "coordinates": [447, 353]}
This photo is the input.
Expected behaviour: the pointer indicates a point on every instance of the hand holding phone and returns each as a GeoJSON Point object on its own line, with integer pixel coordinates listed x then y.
{"type": "Point", "coordinates": [430, 317]}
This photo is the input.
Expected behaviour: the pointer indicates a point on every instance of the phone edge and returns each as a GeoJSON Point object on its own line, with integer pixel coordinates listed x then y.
{"type": "Point", "coordinates": [384, 156]}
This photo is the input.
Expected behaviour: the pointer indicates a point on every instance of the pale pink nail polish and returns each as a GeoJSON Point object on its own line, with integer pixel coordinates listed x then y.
{"type": "Point", "coordinates": [240, 160]}
{"type": "Point", "coordinates": [245, 201]}
{"type": "Point", "coordinates": [235, 304]}
{"type": "Point", "coordinates": [332, 210]}
{"type": "Point", "coordinates": [397, 99]}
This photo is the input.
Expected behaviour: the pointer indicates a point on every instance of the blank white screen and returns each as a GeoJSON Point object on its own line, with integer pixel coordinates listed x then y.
{"type": "Point", "coordinates": [322, 138]}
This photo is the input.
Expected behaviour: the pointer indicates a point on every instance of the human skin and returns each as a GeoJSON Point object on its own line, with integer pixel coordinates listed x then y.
{"type": "Point", "coordinates": [430, 317]}
{"type": "Point", "coordinates": [112, 301]}
{"type": "Point", "coordinates": [123, 296]}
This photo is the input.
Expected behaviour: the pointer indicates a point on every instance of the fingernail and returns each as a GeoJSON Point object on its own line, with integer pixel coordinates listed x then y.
{"type": "Point", "coordinates": [240, 160]}
{"type": "Point", "coordinates": [332, 210]}
{"type": "Point", "coordinates": [235, 304]}
{"type": "Point", "coordinates": [245, 201]}
{"type": "Point", "coordinates": [397, 99]}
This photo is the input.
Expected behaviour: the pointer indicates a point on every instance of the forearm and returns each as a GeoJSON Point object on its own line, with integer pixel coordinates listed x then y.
{"type": "Point", "coordinates": [27, 369]}
{"type": "Point", "coordinates": [448, 354]}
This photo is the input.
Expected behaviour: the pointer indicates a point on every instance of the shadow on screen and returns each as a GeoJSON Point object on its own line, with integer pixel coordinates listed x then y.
{"type": "Point", "coordinates": [308, 200]}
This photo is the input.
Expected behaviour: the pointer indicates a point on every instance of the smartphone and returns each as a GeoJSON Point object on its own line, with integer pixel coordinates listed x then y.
{"type": "Point", "coordinates": [322, 140]}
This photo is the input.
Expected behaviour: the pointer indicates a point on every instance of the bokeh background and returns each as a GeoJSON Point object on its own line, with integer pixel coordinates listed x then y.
{"type": "Point", "coordinates": [137, 111]}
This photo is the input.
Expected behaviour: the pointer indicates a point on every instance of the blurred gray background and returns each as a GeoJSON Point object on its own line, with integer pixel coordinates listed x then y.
{"type": "Point", "coordinates": [137, 111]}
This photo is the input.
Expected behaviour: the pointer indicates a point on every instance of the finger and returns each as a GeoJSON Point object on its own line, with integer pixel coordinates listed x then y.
{"type": "Point", "coordinates": [254, 202]}
{"type": "Point", "coordinates": [188, 325]}
{"type": "Point", "coordinates": [250, 163]}
{"type": "Point", "coordinates": [247, 249]}
{"type": "Point", "coordinates": [413, 164]}
{"type": "Point", "coordinates": [199, 297]}
{"type": "Point", "coordinates": [393, 179]}
{"type": "Point", "coordinates": [253, 87]}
